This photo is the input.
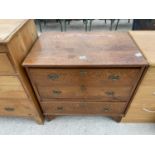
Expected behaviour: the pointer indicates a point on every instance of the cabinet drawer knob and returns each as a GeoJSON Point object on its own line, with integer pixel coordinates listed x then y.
{"type": "Point", "coordinates": [60, 108]}
{"type": "Point", "coordinates": [110, 93]}
{"type": "Point", "coordinates": [53, 76]}
{"type": "Point", "coordinates": [9, 109]}
{"type": "Point", "coordinates": [106, 109]}
{"type": "Point", "coordinates": [114, 77]}
{"type": "Point", "coordinates": [57, 92]}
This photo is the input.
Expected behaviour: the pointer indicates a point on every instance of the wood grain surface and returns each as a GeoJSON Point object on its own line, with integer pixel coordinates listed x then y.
{"type": "Point", "coordinates": [84, 108]}
{"type": "Point", "coordinates": [145, 40]}
{"type": "Point", "coordinates": [8, 27]}
{"type": "Point", "coordinates": [16, 39]}
{"type": "Point", "coordinates": [85, 73]}
{"type": "Point", "coordinates": [142, 108]}
{"type": "Point", "coordinates": [84, 49]}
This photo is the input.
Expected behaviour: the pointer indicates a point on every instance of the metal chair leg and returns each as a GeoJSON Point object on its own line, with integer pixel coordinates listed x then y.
{"type": "Point", "coordinates": [117, 24]}
{"type": "Point", "coordinates": [60, 21]}
{"type": "Point", "coordinates": [40, 27]}
{"type": "Point", "coordinates": [65, 25]}
{"type": "Point", "coordinates": [61, 26]}
{"type": "Point", "coordinates": [45, 21]}
{"type": "Point", "coordinates": [112, 21]}
{"type": "Point", "coordinates": [90, 24]}
{"type": "Point", "coordinates": [85, 22]}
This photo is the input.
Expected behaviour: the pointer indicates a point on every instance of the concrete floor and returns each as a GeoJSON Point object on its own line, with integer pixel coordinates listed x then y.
{"type": "Point", "coordinates": [69, 125]}
{"type": "Point", "coordinates": [74, 125]}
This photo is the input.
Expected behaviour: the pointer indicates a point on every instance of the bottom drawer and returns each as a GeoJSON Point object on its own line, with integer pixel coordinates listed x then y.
{"type": "Point", "coordinates": [15, 107]}
{"type": "Point", "coordinates": [66, 108]}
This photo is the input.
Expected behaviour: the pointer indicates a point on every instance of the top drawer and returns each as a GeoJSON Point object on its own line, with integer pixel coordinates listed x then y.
{"type": "Point", "coordinates": [89, 77]}
{"type": "Point", "coordinates": [5, 65]}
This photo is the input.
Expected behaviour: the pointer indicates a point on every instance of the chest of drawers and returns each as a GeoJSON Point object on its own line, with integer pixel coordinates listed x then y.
{"type": "Point", "coordinates": [85, 73]}
{"type": "Point", "coordinates": [16, 94]}
{"type": "Point", "coordinates": [142, 108]}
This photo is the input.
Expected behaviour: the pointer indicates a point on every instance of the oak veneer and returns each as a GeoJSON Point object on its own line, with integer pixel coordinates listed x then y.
{"type": "Point", "coordinates": [85, 73]}
{"type": "Point", "coordinates": [142, 108]}
{"type": "Point", "coordinates": [16, 95]}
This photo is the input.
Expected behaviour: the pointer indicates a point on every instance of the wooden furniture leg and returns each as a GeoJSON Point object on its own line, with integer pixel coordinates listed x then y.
{"type": "Point", "coordinates": [49, 117]}
{"type": "Point", "coordinates": [117, 118]}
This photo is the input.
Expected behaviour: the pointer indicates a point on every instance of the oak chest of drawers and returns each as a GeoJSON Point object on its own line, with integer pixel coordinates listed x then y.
{"type": "Point", "coordinates": [85, 73]}
{"type": "Point", "coordinates": [16, 94]}
{"type": "Point", "coordinates": [142, 108]}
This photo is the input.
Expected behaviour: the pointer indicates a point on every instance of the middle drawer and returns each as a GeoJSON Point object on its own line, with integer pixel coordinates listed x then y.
{"type": "Point", "coordinates": [90, 84]}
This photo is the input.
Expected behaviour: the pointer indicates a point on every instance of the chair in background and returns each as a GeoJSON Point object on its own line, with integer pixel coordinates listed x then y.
{"type": "Point", "coordinates": [67, 22]}
{"type": "Point", "coordinates": [111, 23]}
{"type": "Point", "coordinates": [90, 21]}
{"type": "Point", "coordinates": [39, 22]}
{"type": "Point", "coordinates": [118, 20]}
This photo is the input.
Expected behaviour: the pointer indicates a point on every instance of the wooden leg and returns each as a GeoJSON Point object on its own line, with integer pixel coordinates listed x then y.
{"type": "Point", "coordinates": [117, 118]}
{"type": "Point", "coordinates": [39, 120]}
{"type": "Point", "coordinates": [49, 117]}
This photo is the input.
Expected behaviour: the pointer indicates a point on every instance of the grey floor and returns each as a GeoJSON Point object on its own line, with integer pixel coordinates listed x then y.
{"type": "Point", "coordinates": [74, 125]}
{"type": "Point", "coordinates": [71, 125]}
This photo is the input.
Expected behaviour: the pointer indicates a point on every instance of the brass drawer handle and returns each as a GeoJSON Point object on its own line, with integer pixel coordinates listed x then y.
{"type": "Point", "coordinates": [114, 77]}
{"type": "Point", "coordinates": [9, 109]}
{"type": "Point", "coordinates": [110, 93]}
{"type": "Point", "coordinates": [57, 92]}
{"type": "Point", "coordinates": [106, 109]}
{"type": "Point", "coordinates": [59, 108]}
{"type": "Point", "coordinates": [147, 110]}
{"type": "Point", "coordinates": [53, 76]}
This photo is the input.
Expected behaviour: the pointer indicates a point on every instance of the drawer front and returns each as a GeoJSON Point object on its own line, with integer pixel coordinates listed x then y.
{"type": "Point", "coordinates": [10, 87]}
{"type": "Point", "coordinates": [62, 108]}
{"type": "Point", "coordinates": [15, 107]}
{"type": "Point", "coordinates": [5, 65]}
{"type": "Point", "coordinates": [89, 77]}
{"type": "Point", "coordinates": [84, 92]}
{"type": "Point", "coordinates": [142, 108]}
{"type": "Point", "coordinates": [144, 112]}
{"type": "Point", "coordinates": [145, 93]}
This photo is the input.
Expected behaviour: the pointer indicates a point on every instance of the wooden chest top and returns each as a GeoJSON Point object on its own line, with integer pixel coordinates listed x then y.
{"type": "Point", "coordinates": [84, 49]}
{"type": "Point", "coordinates": [146, 42]}
{"type": "Point", "coordinates": [8, 27]}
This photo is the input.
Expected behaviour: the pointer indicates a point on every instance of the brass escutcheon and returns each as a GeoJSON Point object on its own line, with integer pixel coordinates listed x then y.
{"type": "Point", "coordinates": [110, 93]}
{"type": "Point", "coordinates": [114, 77]}
{"type": "Point", "coordinates": [9, 109]}
{"type": "Point", "coordinates": [57, 92]}
{"type": "Point", "coordinates": [53, 76]}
